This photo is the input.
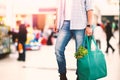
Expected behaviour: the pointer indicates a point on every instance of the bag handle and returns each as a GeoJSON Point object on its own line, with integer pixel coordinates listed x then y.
{"type": "Point", "coordinates": [84, 43]}
{"type": "Point", "coordinates": [89, 40]}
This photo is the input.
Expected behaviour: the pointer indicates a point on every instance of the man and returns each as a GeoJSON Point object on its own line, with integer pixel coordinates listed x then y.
{"type": "Point", "coordinates": [109, 34]}
{"type": "Point", "coordinates": [74, 19]}
{"type": "Point", "coordinates": [22, 37]}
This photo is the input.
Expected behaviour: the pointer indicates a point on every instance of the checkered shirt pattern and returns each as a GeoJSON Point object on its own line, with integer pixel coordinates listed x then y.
{"type": "Point", "coordinates": [78, 13]}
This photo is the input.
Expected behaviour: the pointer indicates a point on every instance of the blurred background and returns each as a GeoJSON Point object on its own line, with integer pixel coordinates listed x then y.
{"type": "Point", "coordinates": [39, 16]}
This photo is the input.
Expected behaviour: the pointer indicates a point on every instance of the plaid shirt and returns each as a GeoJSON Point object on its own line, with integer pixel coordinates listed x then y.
{"type": "Point", "coordinates": [78, 13]}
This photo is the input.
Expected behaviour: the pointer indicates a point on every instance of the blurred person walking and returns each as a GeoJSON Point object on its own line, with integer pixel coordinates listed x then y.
{"type": "Point", "coordinates": [109, 34]}
{"type": "Point", "coordinates": [74, 19]}
{"type": "Point", "coordinates": [22, 37]}
{"type": "Point", "coordinates": [50, 39]}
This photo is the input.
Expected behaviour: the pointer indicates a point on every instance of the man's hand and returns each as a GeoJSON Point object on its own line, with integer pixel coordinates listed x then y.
{"type": "Point", "coordinates": [88, 31]}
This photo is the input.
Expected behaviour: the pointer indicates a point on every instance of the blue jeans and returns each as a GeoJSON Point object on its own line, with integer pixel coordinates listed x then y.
{"type": "Point", "coordinates": [64, 36]}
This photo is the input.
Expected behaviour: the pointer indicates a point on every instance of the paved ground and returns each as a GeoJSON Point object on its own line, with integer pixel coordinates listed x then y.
{"type": "Point", "coordinates": [41, 64]}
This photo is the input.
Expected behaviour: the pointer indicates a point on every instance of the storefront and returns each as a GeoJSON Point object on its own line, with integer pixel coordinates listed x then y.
{"type": "Point", "coordinates": [43, 19]}
{"type": "Point", "coordinates": [109, 11]}
{"type": "Point", "coordinates": [37, 15]}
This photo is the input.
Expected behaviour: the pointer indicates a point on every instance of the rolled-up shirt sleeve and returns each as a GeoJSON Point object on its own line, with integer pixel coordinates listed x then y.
{"type": "Point", "coordinates": [89, 4]}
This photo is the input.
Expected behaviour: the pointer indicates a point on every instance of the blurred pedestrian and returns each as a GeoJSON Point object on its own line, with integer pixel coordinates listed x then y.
{"type": "Point", "coordinates": [109, 34]}
{"type": "Point", "coordinates": [74, 18]}
{"type": "Point", "coordinates": [50, 39]}
{"type": "Point", "coordinates": [22, 37]}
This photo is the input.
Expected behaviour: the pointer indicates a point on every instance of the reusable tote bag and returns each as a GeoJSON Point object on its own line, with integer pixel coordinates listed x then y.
{"type": "Point", "coordinates": [93, 65]}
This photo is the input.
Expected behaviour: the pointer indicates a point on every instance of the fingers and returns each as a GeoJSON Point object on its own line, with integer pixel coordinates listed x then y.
{"type": "Point", "coordinates": [88, 31]}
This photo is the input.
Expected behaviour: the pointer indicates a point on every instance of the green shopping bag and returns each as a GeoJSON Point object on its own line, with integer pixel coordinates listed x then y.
{"type": "Point", "coordinates": [93, 65]}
